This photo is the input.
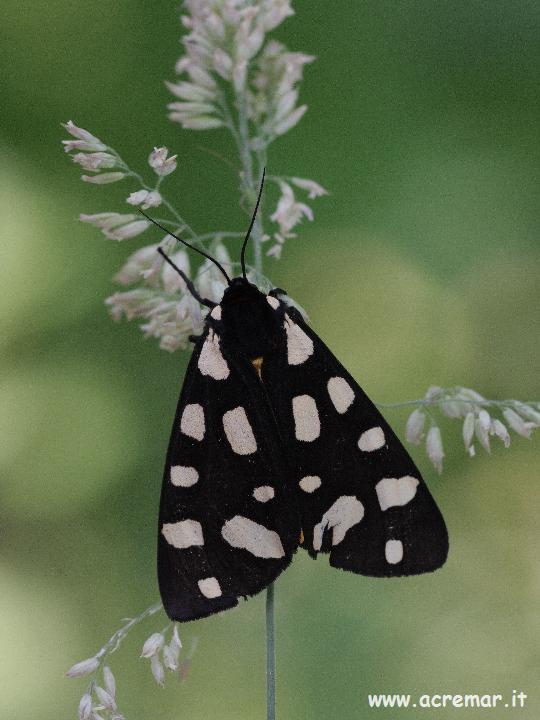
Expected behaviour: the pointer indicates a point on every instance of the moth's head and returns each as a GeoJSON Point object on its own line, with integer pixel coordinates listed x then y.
{"type": "Point", "coordinates": [240, 290]}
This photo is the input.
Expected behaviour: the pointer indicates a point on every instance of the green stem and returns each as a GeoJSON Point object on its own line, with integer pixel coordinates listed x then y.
{"type": "Point", "coordinates": [249, 188]}
{"type": "Point", "coordinates": [270, 656]}
{"type": "Point", "coordinates": [249, 180]}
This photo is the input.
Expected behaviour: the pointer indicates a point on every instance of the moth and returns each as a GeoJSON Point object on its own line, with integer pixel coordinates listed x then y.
{"type": "Point", "coordinates": [275, 447]}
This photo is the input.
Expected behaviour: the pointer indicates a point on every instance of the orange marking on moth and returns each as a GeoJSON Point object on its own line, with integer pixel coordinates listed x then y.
{"type": "Point", "coordinates": [257, 364]}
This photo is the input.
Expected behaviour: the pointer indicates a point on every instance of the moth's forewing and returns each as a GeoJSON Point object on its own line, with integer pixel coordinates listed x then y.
{"type": "Point", "coordinates": [228, 524]}
{"type": "Point", "coordinates": [361, 496]}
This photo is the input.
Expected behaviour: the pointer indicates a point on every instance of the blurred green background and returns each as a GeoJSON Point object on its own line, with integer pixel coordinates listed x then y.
{"type": "Point", "coordinates": [420, 268]}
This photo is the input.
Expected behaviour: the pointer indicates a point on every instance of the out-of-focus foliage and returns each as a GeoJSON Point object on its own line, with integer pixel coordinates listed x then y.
{"type": "Point", "coordinates": [421, 268]}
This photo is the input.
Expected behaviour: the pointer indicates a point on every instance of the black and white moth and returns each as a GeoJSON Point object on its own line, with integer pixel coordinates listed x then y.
{"type": "Point", "coordinates": [274, 447]}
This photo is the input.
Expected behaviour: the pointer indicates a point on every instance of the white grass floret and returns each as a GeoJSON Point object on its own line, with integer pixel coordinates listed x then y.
{"type": "Point", "coordinates": [434, 447]}
{"type": "Point", "coordinates": [518, 425]}
{"type": "Point", "coordinates": [501, 431]}
{"type": "Point", "coordinates": [85, 667]}
{"type": "Point", "coordinates": [157, 670]}
{"type": "Point", "coordinates": [104, 178]}
{"type": "Point", "coordinates": [109, 681]}
{"type": "Point", "coordinates": [105, 698]}
{"type": "Point", "coordinates": [153, 645]}
{"type": "Point", "coordinates": [127, 231]}
{"type": "Point", "coordinates": [468, 429]}
{"type": "Point", "coordinates": [414, 430]}
{"type": "Point", "coordinates": [85, 707]}
{"type": "Point", "coordinates": [94, 161]}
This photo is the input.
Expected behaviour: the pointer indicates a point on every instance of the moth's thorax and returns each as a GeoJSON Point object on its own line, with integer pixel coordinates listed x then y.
{"type": "Point", "coordinates": [250, 324]}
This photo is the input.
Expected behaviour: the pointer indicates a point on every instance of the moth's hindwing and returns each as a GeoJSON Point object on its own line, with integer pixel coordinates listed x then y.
{"type": "Point", "coordinates": [228, 524]}
{"type": "Point", "coordinates": [361, 497]}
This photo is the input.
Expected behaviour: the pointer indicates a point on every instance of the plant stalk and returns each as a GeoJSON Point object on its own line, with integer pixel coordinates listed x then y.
{"type": "Point", "coordinates": [249, 183]}
{"type": "Point", "coordinates": [270, 656]}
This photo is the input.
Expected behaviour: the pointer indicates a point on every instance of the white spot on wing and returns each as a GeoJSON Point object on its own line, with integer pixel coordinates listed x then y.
{"type": "Point", "coordinates": [393, 551]}
{"type": "Point", "coordinates": [216, 315]}
{"type": "Point", "coordinates": [307, 426]}
{"type": "Point", "coordinates": [372, 439]}
{"type": "Point", "coordinates": [241, 532]}
{"type": "Point", "coordinates": [396, 491]}
{"type": "Point", "coordinates": [183, 476]}
{"type": "Point", "coordinates": [310, 483]}
{"type": "Point", "coordinates": [239, 432]}
{"type": "Point", "coordinates": [209, 587]}
{"type": "Point", "coordinates": [299, 345]}
{"type": "Point", "coordinates": [211, 361]}
{"type": "Point", "coordinates": [264, 493]}
{"type": "Point", "coordinates": [273, 302]}
{"type": "Point", "coordinates": [183, 534]}
{"type": "Point", "coordinates": [341, 394]}
{"type": "Point", "coordinates": [346, 512]}
{"type": "Point", "coordinates": [192, 422]}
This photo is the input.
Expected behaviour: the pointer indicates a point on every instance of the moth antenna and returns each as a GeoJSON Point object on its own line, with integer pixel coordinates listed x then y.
{"type": "Point", "coordinates": [243, 253]}
{"type": "Point", "coordinates": [201, 252]}
{"type": "Point", "coordinates": [189, 284]}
